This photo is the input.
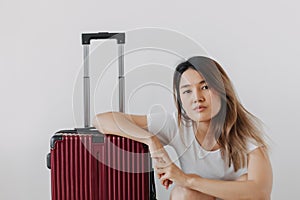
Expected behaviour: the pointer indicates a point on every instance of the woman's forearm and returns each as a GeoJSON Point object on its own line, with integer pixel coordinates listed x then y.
{"type": "Point", "coordinates": [118, 124]}
{"type": "Point", "coordinates": [227, 189]}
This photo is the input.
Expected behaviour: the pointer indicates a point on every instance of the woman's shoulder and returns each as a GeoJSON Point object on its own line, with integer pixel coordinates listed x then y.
{"type": "Point", "coordinates": [251, 145]}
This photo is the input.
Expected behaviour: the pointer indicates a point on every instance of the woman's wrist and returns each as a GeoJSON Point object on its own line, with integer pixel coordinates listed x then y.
{"type": "Point", "coordinates": [191, 179]}
{"type": "Point", "coordinates": [154, 144]}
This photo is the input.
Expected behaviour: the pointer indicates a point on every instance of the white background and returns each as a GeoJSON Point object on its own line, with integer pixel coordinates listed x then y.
{"type": "Point", "coordinates": [257, 42]}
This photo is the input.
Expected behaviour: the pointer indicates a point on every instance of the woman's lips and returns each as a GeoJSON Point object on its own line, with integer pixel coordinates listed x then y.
{"type": "Point", "coordinates": [200, 108]}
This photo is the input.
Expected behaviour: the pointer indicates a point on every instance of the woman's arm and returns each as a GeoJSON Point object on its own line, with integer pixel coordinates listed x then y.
{"type": "Point", "coordinates": [257, 186]}
{"type": "Point", "coordinates": [134, 127]}
{"type": "Point", "coordinates": [130, 126]}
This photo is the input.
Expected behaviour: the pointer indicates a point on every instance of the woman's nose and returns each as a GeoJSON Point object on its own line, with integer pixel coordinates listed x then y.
{"type": "Point", "coordinates": [198, 97]}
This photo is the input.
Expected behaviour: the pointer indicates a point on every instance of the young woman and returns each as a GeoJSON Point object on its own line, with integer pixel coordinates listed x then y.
{"type": "Point", "coordinates": [219, 144]}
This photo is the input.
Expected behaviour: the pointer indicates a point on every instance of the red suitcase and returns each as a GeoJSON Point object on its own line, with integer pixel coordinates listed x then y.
{"type": "Point", "coordinates": [88, 165]}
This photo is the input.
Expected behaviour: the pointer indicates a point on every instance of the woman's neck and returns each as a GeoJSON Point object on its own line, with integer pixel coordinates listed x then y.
{"type": "Point", "coordinates": [201, 128]}
{"type": "Point", "coordinates": [204, 137]}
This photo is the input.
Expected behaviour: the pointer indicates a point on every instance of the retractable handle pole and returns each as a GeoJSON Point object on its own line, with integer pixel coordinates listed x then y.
{"type": "Point", "coordinates": [86, 39]}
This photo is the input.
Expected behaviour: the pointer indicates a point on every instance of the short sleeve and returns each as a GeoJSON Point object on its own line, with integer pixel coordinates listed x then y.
{"type": "Point", "coordinates": [163, 125]}
{"type": "Point", "coordinates": [251, 146]}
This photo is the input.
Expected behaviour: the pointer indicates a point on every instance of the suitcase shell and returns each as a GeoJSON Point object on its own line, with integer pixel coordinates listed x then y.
{"type": "Point", "coordinates": [88, 165]}
{"type": "Point", "coordinates": [93, 166]}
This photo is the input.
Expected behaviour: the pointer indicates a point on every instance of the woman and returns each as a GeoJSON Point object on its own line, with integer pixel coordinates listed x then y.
{"type": "Point", "coordinates": [219, 143]}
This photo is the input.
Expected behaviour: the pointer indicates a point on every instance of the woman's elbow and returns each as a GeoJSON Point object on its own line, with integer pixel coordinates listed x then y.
{"type": "Point", "coordinates": [261, 194]}
{"type": "Point", "coordinates": [99, 121]}
{"type": "Point", "coordinates": [256, 192]}
{"type": "Point", "coordinates": [264, 195]}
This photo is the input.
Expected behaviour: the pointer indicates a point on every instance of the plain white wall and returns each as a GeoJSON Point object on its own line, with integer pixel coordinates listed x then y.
{"type": "Point", "coordinates": [257, 42]}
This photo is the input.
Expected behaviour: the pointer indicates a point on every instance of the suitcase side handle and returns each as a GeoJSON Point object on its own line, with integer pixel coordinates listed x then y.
{"type": "Point", "coordinates": [48, 160]}
{"type": "Point", "coordinates": [87, 37]}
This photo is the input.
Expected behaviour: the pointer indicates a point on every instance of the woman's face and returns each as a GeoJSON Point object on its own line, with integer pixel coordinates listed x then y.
{"type": "Point", "coordinates": [200, 103]}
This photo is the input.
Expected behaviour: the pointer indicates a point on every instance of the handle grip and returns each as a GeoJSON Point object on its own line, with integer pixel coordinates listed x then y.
{"type": "Point", "coordinates": [87, 37]}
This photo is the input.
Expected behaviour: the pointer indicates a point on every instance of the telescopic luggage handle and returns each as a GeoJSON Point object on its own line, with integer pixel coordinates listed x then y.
{"type": "Point", "coordinates": [86, 39]}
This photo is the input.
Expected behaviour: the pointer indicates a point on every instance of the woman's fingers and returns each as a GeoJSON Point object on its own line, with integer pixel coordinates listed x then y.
{"type": "Point", "coordinates": [164, 177]}
{"type": "Point", "coordinates": [169, 182]}
{"type": "Point", "coordinates": [162, 154]}
{"type": "Point", "coordinates": [159, 164]}
{"type": "Point", "coordinates": [160, 170]}
{"type": "Point", "coordinates": [166, 183]}
{"type": "Point", "coordinates": [161, 161]}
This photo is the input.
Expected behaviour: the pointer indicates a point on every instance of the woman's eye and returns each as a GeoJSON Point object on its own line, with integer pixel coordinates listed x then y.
{"type": "Point", "coordinates": [187, 91]}
{"type": "Point", "coordinates": [205, 87]}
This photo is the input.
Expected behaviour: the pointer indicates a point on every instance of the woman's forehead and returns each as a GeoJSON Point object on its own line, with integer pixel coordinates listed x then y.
{"type": "Point", "coordinates": [191, 76]}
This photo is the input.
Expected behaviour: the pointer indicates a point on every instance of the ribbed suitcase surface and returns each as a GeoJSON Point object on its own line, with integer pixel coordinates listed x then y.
{"type": "Point", "coordinates": [99, 167]}
{"type": "Point", "coordinates": [87, 165]}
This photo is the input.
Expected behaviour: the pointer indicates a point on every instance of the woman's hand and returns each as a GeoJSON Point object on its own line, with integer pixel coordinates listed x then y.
{"type": "Point", "coordinates": [167, 170]}
{"type": "Point", "coordinates": [155, 148]}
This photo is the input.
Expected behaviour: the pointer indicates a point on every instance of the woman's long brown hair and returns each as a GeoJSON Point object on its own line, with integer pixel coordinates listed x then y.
{"type": "Point", "coordinates": [233, 127]}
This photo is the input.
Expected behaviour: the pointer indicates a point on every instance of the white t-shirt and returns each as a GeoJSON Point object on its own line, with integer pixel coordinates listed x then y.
{"type": "Point", "coordinates": [192, 157]}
